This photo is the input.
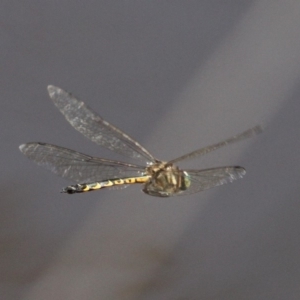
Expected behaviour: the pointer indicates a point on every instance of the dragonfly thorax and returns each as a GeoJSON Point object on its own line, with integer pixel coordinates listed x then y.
{"type": "Point", "coordinates": [165, 180]}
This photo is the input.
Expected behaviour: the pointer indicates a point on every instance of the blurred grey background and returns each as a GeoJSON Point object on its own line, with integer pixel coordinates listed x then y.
{"type": "Point", "coordinates": [177, 76]}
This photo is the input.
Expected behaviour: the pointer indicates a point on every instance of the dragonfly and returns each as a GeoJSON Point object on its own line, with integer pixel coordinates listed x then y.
{"type": "Point", "coordinates": [159, 178]}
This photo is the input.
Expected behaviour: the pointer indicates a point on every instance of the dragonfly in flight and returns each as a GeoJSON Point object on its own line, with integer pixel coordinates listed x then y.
{"type": "Point", "coordinates": [159, 178]}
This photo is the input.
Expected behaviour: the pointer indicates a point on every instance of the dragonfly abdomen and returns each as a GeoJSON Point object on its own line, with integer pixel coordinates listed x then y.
{"type": "Point", "coordinates": [88, 187]}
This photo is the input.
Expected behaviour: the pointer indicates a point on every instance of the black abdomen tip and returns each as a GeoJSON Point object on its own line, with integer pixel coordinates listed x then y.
{"type": "Point", "coordinates": [72, 189]}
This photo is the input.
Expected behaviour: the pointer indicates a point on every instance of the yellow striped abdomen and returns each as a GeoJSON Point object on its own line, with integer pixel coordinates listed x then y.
{"type": "Point", "coordinates": [87, 187]}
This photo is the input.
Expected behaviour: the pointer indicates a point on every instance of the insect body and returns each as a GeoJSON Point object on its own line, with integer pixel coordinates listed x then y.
{"type": "Point", "coordinates": [87, 187]}
{"type": "Point", "coordinates": [161, 179]}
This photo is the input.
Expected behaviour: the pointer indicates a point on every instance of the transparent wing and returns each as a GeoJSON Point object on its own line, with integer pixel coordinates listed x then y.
{"type": "Point", "coordinates": [76, 166]}
{"type": "Point", "coordinates": [92, 126]}
{"type": "Point", "coordinates": [239, 137]}
{"type": "Point", "coordinates": [205, 179]}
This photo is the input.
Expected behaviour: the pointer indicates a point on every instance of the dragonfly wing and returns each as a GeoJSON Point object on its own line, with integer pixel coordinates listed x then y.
{"type": "Point", "coordinates": [76, 166]}
{"type": "Point", "coordinates": [92, 126]}
{"type": "Point", "coordinates": [205, 179]}
{"type": "Point", "coordinates": [239, 137]}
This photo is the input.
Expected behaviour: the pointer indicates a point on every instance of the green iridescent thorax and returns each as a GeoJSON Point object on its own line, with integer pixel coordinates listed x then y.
{"type": "Point", "coordinates": [166, 180]}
